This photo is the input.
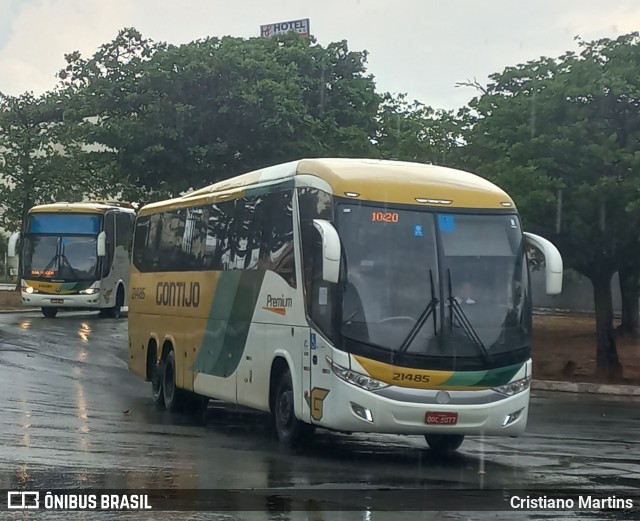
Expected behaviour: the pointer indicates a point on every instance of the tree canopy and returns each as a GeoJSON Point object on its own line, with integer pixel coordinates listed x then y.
{"type": "Point", "coordinates": [561, 135]}
{"type": "Point", "coordinates": [144, 120]}
{"type": "Point", "coordinates": [185, 116]}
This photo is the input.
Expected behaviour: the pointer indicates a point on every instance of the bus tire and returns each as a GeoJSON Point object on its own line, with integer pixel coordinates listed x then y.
{"type": "Point", "coordinates": [444, 444]}
{"type": "Point", "coordinates": [157, 383]}
{"type": "Point", "coordinates": [289, 429]}
{"type": "Point", "coordinates": [114, 312]}
{"type": "Point", "coordinates": [174, 398]}
{"type": "Point", "coordinates": [49, 312]}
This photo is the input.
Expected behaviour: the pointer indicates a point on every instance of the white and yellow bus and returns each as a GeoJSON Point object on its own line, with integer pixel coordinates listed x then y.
{"type": "Point", "coordinates": [354, 295]}
{"type": "Point", "coordinates": [76, 256]}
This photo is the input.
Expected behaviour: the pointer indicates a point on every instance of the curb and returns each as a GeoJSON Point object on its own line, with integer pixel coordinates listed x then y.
{"type": "Point", "coordinates": [583, 387]}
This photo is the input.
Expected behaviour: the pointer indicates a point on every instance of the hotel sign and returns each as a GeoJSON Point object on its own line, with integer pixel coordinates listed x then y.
{"type": "Point", "coordinates": [299, 26]}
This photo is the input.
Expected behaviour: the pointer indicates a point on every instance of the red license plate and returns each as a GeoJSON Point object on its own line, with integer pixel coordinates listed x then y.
{"type": "Point", "coordinates": [441, 418]}
{"type": "Point", "coordinates": [57, 300]}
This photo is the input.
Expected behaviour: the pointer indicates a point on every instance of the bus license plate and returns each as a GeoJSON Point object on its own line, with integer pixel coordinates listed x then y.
{"type": "Point", "coordinates": [57, 301]}
{"type": "Point", "coordinates": [441, 418]}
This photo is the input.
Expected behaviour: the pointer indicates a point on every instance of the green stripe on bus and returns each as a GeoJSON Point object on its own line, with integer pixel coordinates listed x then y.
{"type": "Point", "coordinates": [229, 321]}
{"type": "Point", "coordinates": [500, 376]}
{"type": "Point", "coordinates": [465, 378]}
{"type": "Point", "coordinates": [491, 378]}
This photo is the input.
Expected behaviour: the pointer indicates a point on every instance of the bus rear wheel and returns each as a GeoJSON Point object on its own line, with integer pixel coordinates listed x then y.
{"type": "Point", "coordinates": [444, 443]}
{"type": "Point", "coordinates": [174, 398]}
{"type": "Point", "coordinates": [50, 312]}
{"type": "Point", "coordinates": [289, 429]}
{"type": "Point", "coordinates": [157, 383]}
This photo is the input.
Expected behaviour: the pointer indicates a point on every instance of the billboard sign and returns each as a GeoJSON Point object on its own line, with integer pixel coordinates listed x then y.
{"type": "Point", "coordinates": [299, 26]}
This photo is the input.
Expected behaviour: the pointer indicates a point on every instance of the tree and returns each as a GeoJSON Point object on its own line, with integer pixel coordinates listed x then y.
{"type": "Point", "coordinates": [185, 116]}
{"type": "Point", "coordinates": [417, 132]}
{"type": "Point", "coordinates": [561, 135]}
{"type": "Point", "coordinates": [41, 161]}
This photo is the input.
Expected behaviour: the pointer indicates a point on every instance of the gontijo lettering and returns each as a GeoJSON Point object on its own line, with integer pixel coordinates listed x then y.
{"type": "Point", "coordinates": [178, 294]}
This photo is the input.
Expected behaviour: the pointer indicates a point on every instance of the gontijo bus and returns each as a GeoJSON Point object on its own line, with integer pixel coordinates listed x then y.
{"type": "Point", "coordinates": [356, 295]}
{"type": "Point", "coordinates": [76, 255]}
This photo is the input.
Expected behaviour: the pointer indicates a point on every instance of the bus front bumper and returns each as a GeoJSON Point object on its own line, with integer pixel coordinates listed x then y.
{"type": "Point", "coordinates": [353, 409]}
{"type": "Point", "coordinates": [40, 300]}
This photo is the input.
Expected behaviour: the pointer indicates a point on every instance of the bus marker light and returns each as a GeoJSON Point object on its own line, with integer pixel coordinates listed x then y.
{"type": "Point", "coordinates": [441, 418]}
{"type": "Point", "coordinates": [510, 418]}
{"type": "Point", "coordinates": [362, 412]}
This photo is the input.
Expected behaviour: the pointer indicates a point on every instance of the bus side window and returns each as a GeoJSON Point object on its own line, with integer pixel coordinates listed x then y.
{"type": "Point", "coordinates": [216, 249]}
{"type": "Point", "coordinates": [276, 249]}
{"type": "Point", "coordinates": [245, 236]}
{"type": "Point", "coordinates": [140, 242]}
{"type": "Point", "coordinates": [123, 231]}
{"type": "Point", "coordinates": [194, 239]}
{"type": "Point", "coordinates": [170, 256]}
{"type": "Point", "coordinates": [110, 229]}
{"type": "Point", "coordinates": [315, 204]}
{"type": "Point", "coordinates": [150, 259]}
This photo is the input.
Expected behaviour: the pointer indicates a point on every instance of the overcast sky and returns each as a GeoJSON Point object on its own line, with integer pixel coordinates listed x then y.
{"type": "Point", "coordinates": [419, 47]}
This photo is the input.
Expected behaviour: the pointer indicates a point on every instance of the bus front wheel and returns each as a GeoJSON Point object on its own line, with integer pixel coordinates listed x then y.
{"type": "Point", "coordinates": [50, 312]}
{"type": "Point", "coordinates": [288, 428]}
{"type": "Point", "coordinates": [115, 311]}
{"type": "Point", "coordinates": [444, 443]}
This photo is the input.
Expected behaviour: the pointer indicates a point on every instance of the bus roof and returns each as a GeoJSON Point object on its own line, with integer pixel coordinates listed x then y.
{"type": "Point", "coordinates": [361, 179]}
{"type": "Point", "coordinates": [99, 207]}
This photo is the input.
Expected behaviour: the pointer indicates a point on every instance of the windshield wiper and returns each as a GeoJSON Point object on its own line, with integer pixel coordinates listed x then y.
{"type": "Point", "coordinates": [430, 310]}
{"type": "Point", "coordinates": [65, 262]}
{"type": "Point", "coordinates": [44, 272]}
{"type": "Point", "coordinates": [463, 321]}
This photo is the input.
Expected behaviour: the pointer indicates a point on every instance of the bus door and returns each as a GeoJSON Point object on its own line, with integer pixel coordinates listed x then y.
{"type": "Point", "coordinates": [319, 348]}
{"type": "Point", "coordinates": [108, 274]}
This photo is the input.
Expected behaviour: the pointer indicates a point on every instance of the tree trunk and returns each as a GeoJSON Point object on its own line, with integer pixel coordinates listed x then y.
{"type": "Point", "coordinates": [630, 293]}
{"type": "Point", "coordinates": [607, 362]}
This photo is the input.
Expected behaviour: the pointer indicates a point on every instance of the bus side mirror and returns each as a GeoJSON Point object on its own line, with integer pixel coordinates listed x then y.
{"type": "Point", "coordinates": [330, 250]}
{"type": "Point", "coordinates": [13, 245]}
{"type": "Point", "coordinates": [102, 244]}
{"type": "Point", "coordinates": [553, 262]}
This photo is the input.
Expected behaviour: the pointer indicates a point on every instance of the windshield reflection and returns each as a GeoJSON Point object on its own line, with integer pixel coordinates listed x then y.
{"type": "Point", "coordinates": [422, 284]}
{"type": "Point", "coordinates": [60, 257]}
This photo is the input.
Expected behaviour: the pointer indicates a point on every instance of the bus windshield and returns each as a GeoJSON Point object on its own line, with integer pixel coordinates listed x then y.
{"type": "Point", "coordinates": [60, 257]}
{"type": "Point", "coordinates": [61, 246]}
{"type": "Point", "coordinates": [438, 286]}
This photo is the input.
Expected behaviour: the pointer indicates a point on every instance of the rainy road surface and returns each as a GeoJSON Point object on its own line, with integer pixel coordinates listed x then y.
{"type": "Point", "coordinates": [73, 416]}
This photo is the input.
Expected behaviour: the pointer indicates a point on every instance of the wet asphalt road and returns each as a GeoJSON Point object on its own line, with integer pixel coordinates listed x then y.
{"type": "Point", "coordinates": [73, 416]}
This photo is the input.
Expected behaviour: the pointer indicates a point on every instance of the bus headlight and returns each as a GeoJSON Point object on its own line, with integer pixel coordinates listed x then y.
{"type": "Point", "coordinates": [29, 289]}
{"type": "Point", "coordinates": [358, 379]}
{"type": "Point", "coordinates": [514, 387]}
{"type": "Point", "coordinates": [88, 291]}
